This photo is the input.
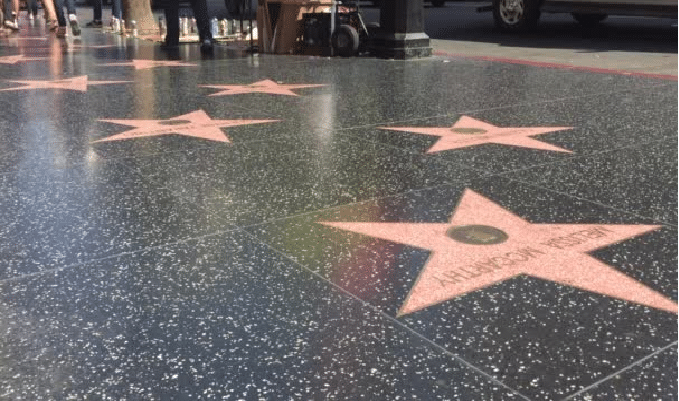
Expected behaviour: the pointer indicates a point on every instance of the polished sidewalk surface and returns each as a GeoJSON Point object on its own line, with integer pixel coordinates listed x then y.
{"type": "Point", "coordinates": [264, 227]}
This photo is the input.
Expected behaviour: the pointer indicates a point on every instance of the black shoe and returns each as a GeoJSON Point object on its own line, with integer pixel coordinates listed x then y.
{"type": "Point", "coordinates": [207, 47]}
{"type": "Point", "coordinates": [94, 24]}
{"type": "Point", "coordinates": [169, 45]}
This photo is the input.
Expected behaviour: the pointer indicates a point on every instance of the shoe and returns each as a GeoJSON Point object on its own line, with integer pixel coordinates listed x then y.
{"type": "Point", "coordinates": [61, 32]}
{"type": "Point", "coordinates": [31, 17]}
{"type": "Point", "coordinates": [11, 25]}
{"type": "Point", "coordinates": [207, 47]}
{"type": "Point", "coordinates": [169, 45]}
{"type": "Point", "coordinates": [94, 24]}
{"type": "Point", "coordinates": [73, 20]}
{"type": "Point", "coordinates": [115, 25]}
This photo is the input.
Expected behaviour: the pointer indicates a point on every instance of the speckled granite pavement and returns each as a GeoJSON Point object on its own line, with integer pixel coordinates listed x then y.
{"type": "Point", "coordinates": [286, 227]}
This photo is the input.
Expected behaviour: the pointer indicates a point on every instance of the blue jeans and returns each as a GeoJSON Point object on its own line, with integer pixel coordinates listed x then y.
{"type": "Point", "coordinates": [59, 6]}
{"type": "Point", "coordinates": [32, 6]}
{"type": "Point", "coordinates": [8, 10]}
{"type": "Point", "coordinates": [116, 9]}
{"type": "Point", "coordinates": [172, 16]}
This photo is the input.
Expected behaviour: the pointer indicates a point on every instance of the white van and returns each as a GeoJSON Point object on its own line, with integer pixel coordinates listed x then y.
{"type": "Point", "coordinates": [518, 15]}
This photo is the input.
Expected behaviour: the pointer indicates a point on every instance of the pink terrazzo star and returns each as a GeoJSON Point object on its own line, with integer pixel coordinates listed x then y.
{"type": "Point", "coordinates": [74, 84]}
{"type": "Point", "coordinates": [93, 46]}
{"type": "Point", "coordinates": [265, 86]}
{"type": "Point", "coordinates": [19, 58]}
{"type": "Point", "coordinates": [148, 64]}
{"type": "Point", "coordinates": [468, 131]}
{"type": "Point", "coordinates": [485, 244]}
{"type": "Point", "coordinates": [40, 38]}
{"type": "Point", "coordinates": [195, 124]}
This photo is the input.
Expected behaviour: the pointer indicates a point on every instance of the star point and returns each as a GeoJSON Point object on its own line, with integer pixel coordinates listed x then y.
{"type": "Point", "coordinates": [79, 83]}
{"type": "Point", "coordinates": [265, 86]}
{"type": "Point", "coordinates": [19, 58]}
{"type": "Point", "coordinates": [484, 244]}
{"type": "Point", "coordinates": [468, 131]}
{"type": "Point", "coordinates": [197, 124]}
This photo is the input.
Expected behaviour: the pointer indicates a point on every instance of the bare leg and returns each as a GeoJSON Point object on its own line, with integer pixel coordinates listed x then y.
{"type": "Point", "coordinates": [48, 5]}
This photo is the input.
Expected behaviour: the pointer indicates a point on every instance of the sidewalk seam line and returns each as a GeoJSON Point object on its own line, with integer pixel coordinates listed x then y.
{"type": "Point", "coordinates": [623, 370]}
{"type": "Point", "coordinates": [394, 321]}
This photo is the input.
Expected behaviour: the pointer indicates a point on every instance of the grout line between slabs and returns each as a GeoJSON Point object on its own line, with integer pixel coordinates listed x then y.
{"type": "Point", "coordinates": [392, 319]}
{"type": "Point", "coordinates": [632, 213]}
{"type": "Point", "coordinates": [623, 370]}
{"type": "Point", "coordinates": [567, 159]}
{"type": "Point", "coordinates": [523, 104]}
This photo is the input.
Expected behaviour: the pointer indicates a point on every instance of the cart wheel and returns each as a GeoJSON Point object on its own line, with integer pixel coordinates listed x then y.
{"type": "Point", "coordinates": [516, 15]}
{"type": "Point", "coordinates": [345, 41]}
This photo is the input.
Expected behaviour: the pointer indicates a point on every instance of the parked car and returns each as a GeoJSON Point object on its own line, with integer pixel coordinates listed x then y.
{"type": "Point", "coordinates": [518, 15]}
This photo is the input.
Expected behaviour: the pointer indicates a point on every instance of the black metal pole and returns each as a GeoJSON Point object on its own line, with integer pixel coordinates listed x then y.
{"type": "Point", "coordinates": [401, 34]}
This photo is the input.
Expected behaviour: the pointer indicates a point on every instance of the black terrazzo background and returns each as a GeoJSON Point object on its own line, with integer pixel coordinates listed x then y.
{"type": "Point", "coordinates": [177, 268]}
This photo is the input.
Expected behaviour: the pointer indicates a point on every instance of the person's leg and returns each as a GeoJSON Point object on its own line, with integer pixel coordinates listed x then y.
{"type": "Point", "coordinates": [96, 11]}
{"type": "Point", "coordinates": [32, 6]}
{"type": "Point", "coordinates": [117, 9]}
{"type": "Point", "coordinates": [72, 18]}
{"type": "Point", "coordinates": [7, 9]}
{"type": "Point", "coordinates": [70, 6]}
{"type": "Point", "coordinates": [10, 15]}
{"type": "Point", "coordinates": [202, 19]}
{"type": "Point", "coordinates": [172, 17]}
{"type": "Point", "coordinates": [61, 18]}
{"type": "Point", "coordinates": [50, 14]}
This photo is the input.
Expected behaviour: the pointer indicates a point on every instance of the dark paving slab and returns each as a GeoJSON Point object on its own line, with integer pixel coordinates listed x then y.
{"type": "Point", "coordinates": [641, 180]}
{"type": "Point", "coordinates": [653, 378]}
{"type": "Point", "coordinates": [69, 214]}
{"type": "Point", "coordinates": [223, 317]}
{"type": "Point", "coordinates": [542, 338]}
{"type": "Point", "coordinates": [256, 181]}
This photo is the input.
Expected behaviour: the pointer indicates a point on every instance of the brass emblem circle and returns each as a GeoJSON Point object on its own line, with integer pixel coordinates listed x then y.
{"type": "Point", "coordinates": [469, 131]}
{"type": "Point", "coordinates": [174, 122]}
{"type": "Point", "coordinates": [477, 235]}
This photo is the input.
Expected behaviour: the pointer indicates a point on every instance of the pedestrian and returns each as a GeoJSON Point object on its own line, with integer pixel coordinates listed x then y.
{"type": "Point", "coordinates": [72, 18]}
{"type": "Point", "coordinates": [116, 11]}
{"type": "Point", "coordinates": [202, 20]}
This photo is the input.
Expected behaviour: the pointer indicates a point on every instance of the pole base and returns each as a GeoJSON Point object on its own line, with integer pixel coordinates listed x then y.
{"type": "Point", "coordinates": [400, 46]}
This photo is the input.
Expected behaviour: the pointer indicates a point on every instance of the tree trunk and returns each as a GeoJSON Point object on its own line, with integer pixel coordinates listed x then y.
{"type": "Point", "coordinates": [140, 12]}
